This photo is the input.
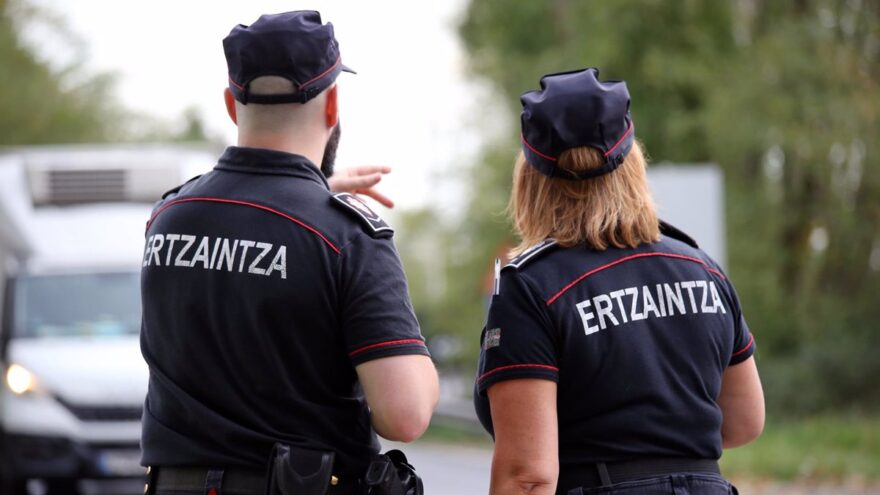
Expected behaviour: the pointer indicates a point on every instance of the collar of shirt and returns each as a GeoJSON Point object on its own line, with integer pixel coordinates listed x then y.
{"type": "Point", "coordinates": [269, 162]}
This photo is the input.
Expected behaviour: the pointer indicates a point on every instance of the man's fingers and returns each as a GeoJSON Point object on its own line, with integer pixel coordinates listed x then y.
{"type": "Point", "coordinates": [379, 197]}
{"type": "Point", "coordinates": [370, 169]}
{"type": "Point", "coordinates": [351, 184]}
{"type": "Point", "coordinates": [360, 180]}
{"type": "Point", "coordinates": [363, 181]}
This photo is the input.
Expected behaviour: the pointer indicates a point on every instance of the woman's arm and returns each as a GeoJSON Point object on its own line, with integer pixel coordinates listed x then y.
{"type": "Point", "coordinates": [742, 404]}
{"type": "Point", "coordinates": [526, 459]}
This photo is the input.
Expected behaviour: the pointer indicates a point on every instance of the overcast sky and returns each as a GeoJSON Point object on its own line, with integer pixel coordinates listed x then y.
{"type": "Point", "coordinates": [411, 105]}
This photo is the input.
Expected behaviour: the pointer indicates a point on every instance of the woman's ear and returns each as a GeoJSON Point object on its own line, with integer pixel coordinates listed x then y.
{"type": "Point", "coordinates": [230, 105]}
{"type": "Point", "coordinates": [331, 108]}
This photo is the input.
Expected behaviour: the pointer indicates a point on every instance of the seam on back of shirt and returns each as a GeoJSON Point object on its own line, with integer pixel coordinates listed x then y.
{"type": "Point", "coordinates": [630, 258]}
{"type": "Point", "coordinates": [258, 206]}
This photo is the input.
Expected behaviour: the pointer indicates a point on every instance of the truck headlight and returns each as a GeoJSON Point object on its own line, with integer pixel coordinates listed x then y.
{"type": "Point", "coordinates": [20, 380]}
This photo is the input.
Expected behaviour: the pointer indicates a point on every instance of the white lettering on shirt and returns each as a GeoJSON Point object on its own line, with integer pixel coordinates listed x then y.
{"type": "Point", "coordinates": [217, 253]}
{"type": "Point", "coordinates": [643, 305]}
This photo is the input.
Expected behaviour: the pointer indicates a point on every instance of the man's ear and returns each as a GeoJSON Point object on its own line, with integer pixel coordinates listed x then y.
{"type": "Point", "coordinates": [230, 105]}
{"type": "Point", "coordinates": [331, 108]}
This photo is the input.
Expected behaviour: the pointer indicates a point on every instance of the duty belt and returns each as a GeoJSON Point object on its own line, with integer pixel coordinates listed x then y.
{"type": "Point", "coordinates": [598, 474]}
{"type": "Point", "coordinates": [232, 482]}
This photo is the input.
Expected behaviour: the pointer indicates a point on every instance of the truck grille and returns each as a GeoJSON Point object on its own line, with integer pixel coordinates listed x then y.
{"type": "Point", "coordinates": [76, 186]}
{"type": "Point", "coordinates": [104, 413]}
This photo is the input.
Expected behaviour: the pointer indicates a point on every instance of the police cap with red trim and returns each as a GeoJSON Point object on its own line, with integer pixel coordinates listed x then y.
{"type": "Point", "coordinates": [293, 45]}
{"type": "Point", "coordinates": [572, 110]}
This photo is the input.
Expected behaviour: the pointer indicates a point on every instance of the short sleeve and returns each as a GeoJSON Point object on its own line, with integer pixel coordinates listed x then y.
{"type": "Point", "coordinates": [376, 312]}
{"type": "Point", "coordinates": [519, 338]}
{"type": "Point", "coordinates": [743, 341]}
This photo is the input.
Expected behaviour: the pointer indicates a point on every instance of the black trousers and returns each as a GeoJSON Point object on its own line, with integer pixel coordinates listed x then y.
{"type": "Point", "coordinates": [669, 484]}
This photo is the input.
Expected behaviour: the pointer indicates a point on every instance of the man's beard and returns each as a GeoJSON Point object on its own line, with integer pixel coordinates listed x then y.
{"type": "Point", "coordinates": [329, 159]}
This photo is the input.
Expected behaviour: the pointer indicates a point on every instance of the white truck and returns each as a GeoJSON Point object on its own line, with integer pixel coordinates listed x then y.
{"type": "Point", "coordinates": [71, 241]}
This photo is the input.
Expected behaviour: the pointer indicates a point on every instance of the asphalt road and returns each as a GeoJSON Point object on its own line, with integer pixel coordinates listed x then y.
{"type": "Point", "coordinates": [449, 469]}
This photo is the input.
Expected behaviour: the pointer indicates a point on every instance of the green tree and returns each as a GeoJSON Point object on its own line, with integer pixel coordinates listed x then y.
{"type": "Point", "coordinates": [48, 103]}
{"type": "Point", "coordinates": [784, 96]}
{"type": "Point", "coordinates": [42, 104]}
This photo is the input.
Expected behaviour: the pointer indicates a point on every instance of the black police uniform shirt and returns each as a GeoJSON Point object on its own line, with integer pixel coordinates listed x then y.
{"type": "Point", "coordinates": [637, 340]}
{"type": "Point", "coordinates": [261, 293]}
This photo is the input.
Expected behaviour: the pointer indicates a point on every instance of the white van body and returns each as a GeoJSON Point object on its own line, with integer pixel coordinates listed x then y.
{"type": "Point", "coordinates": [71, 312]}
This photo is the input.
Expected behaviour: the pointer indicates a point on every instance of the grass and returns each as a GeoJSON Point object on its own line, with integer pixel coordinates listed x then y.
{"type": "Point", "coordinates": [818, 448]}
{"type": "Point", "coordinates": [825, 448]}
{"type": "Point", "coordinates": [457, 433]}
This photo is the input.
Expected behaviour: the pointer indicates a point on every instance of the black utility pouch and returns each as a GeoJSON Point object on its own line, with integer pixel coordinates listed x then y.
{"type": "Point", "coordinates": [298, 471]}
{"type": "Point", "coordinates": [391, 474]}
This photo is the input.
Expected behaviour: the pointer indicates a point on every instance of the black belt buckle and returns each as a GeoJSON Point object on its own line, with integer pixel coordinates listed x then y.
{"type": "Point", "coordinates": [298, 471]}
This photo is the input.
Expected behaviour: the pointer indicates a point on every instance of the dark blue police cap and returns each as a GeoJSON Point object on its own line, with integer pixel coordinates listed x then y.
{"type": "Point", "coordinates": [292, 45]}
{"type": "Point", "coordinates": [572, 110]}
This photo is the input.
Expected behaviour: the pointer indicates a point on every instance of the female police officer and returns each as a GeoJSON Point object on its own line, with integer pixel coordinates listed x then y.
{"type": "Point", "coordinates": [615, 358]}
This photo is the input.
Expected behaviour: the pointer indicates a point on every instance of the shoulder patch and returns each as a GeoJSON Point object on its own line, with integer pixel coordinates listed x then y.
{"type": "Point", "coordinates": [532, 254]}
{"type": "Point", "coordinates": [672, 231]}
{"type": "Point", "coordinates": [178, 188]}
{"type": "Point", "coordinates": [374, 224]}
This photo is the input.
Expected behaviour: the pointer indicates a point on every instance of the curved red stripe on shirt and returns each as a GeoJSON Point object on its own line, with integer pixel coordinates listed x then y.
{"type": "Point", "coordinates": [628, 258]}
{"type": "Point", "coordinates": [252, 205]}
{"type": "Point", "coordinates": [385, 344]}
{"type": "Point", "coordinates": [517, 366]}
{"type": "Point", "coordinates": [744, 349]}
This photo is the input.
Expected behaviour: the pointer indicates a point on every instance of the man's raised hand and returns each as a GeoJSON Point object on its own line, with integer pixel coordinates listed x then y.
{"type": "Point", "coordinates": [361, 180]}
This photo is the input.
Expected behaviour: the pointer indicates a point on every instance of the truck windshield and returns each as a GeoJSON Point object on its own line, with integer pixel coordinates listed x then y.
{"type": "Point", "coordinates": [77, 305]}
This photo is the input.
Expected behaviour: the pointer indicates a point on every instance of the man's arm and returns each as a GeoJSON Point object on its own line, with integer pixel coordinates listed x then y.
{"type": "Point", "coordinates": [742, 404]}
{"type": "Point", "coordinates": [526, 459]}
{"type": "Point", "coordinates": [402, 392]}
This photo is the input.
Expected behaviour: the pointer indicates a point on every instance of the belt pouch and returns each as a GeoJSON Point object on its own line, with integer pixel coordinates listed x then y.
{"type": "Point", "coordinates": [298, 471]}
{"type": "Point", "coordinates": [391, 474]}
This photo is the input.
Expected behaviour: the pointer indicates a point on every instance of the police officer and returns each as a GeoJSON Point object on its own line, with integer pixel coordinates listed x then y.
{"type": "Point", "coordinates": [615, 358]}
{"type": "Point", "coordinates": [277, 325]}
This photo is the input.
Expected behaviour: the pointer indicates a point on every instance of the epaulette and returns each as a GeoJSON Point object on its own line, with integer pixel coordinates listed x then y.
{"type": "Point", "coordinates": [374, 224]}
{"type": "Point", "coordinates": [532, 254]}
{"type": "Point", "coordinates": [177, 189]}
{"type": "Point", "coordinates": [672, 231]}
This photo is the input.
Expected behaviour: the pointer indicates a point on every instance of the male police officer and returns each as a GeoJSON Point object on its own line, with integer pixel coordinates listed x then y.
{"type": "Point", "coordinates": [276, 314]}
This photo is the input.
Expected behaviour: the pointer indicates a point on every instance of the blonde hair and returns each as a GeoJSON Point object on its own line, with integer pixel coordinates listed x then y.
{"type": "Point", "coordinates": [611, 210]}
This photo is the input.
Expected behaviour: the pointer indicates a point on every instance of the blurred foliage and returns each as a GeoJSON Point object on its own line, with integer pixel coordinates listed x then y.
{"type": "Point", "coordinates": [53, 99]}
{"type": "Point", "coordinates": [828, 447]}
{"type": "Point", "coordinates": [783, 96]}
{"type": "Point", "coordinates": [825, 448]}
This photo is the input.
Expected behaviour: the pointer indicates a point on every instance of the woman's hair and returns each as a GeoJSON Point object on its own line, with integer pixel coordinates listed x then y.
{"type": "Point", "coordinates": [614, 209]}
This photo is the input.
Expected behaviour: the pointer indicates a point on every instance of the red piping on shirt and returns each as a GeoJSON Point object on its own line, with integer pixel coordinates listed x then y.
{"type": "Point", "coordinates": [517, 366]}
{"type": "Point", "coordinates": [744, 349]}
{"type": "Point", "coordinates": [383, 344]}
{"type": "Point", "coordinates": [628, 258]}
{"type": "Point", "coordinates": [252, 205]}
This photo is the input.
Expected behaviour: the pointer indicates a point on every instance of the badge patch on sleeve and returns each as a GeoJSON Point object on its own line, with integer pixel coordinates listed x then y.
{"type": "Point", "coordinates": [374, 223]}
{"type": "Point", "coordinates": [493, 339]}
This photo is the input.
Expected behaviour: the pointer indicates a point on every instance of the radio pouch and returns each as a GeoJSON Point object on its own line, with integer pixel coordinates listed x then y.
{"type": "Point", "coordinates": [391, 474]}
{"type": "Point", "coordinates": [298, 471]}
